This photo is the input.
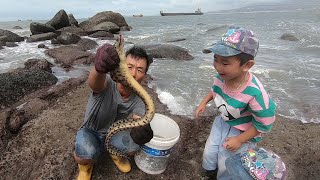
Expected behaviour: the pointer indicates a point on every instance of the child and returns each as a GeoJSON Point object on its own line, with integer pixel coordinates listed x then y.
{"type": "Point", "coordinates": [245, 107]}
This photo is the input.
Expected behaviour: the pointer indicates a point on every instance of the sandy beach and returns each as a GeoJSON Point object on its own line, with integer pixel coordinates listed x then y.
{"type": "Point", "coordinates": [43, 147]}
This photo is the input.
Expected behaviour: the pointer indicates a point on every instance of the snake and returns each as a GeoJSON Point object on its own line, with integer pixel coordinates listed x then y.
{"type": "Point", "coordinates": [122, 75]}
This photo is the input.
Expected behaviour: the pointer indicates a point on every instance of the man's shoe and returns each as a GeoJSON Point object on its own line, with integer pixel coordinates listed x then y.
{"type": "Point", "coordinates": [122, 163]}
{"type": "Point", "coordinates": [85, 172]}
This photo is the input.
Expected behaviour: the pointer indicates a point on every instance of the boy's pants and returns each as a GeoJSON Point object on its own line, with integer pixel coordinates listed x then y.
{"type": "Point", "coordinates": [215, 155]}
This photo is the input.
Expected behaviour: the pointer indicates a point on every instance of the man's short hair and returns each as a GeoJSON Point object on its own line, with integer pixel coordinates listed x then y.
{"type": "Point", "coordinates": [140, 52]}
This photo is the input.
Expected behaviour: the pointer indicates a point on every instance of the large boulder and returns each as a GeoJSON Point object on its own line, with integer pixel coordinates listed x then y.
{"type": "Point", "coordinates": [67, 38]}
{"type": "Point", "coordinates": [168, 51]}
{"type": "Point", "coordinates": [102, 34]}
{"type": "Point", "coordinates": [42, 37]}
{"type": "Point", "coordinates": [106, 16]}
{"type": "Point", "coordinates": [60, 20]}
{"type": "Point", "coordinates": [106, 26]}
{"type": "Point", "coordinates": [73, 29]}
{"type": "Point", "coordinates": [39, 28]}
{"type": "Point", "coordinates": [15, 85]}
{"type": "Point", "coordinates": [73, 20]}
{"type": "Point", "coordinates": [8, 36]}
{"type": "Point", "coordinates": [87, 44]}
{"type": "Point", "coordinates": [69, 55]}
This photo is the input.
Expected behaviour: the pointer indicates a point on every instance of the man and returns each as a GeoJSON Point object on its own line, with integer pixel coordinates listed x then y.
{"type": "Point", "coordinates": [110, 101]}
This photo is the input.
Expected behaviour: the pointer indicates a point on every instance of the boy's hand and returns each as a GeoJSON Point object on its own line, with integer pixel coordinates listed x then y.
{"type": "Point", "coordinates": [106, 59]}
{"type": "Point", "coordinates": [200, 109]}
{"type": "Point", "coordinates": [232, 143]}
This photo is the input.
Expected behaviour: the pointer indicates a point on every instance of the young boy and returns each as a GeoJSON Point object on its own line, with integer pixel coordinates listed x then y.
{"type": "Point", "coordinates": [245, 107]}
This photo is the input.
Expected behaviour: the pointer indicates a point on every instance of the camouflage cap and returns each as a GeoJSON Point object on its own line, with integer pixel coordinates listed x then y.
{"type": "Point", "coordinates": [235, 41]}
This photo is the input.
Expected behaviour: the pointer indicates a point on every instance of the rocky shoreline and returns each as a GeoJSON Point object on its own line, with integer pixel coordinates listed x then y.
{"type": "Point", "coordinates": [43, 148]}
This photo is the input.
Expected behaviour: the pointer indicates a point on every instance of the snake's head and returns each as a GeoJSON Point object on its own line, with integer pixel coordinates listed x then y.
{"type": "Point", "coordinates": [119, 44]}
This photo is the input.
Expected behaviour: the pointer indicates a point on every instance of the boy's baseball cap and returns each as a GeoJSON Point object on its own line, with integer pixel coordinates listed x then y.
{"type": "Point", "coordinates": [235, 41]}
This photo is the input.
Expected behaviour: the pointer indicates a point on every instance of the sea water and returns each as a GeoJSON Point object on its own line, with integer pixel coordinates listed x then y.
{"type": "Point", "coordinates": [288, 70]}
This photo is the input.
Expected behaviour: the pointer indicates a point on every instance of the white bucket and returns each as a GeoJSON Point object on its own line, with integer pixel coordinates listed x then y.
{"type": "Point", "coordinates": [152, 157]}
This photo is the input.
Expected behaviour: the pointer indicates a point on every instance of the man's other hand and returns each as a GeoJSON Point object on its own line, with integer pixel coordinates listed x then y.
{"type": "Point", "coordinates": [141, 135]}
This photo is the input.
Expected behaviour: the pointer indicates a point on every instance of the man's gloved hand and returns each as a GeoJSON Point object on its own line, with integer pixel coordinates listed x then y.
{"type": "Point", "coordinates": [106, 59]}
{"type": "Point", "coordinates": [141, 135]}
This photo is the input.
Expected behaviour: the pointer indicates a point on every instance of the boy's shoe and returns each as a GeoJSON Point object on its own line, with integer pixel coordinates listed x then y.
{"type": "Point", "coordinates": [122, 163]}
{"type": "Point", "coordinates": [208, 174]}
{"type": "Point", "coordinates": [85, 172]}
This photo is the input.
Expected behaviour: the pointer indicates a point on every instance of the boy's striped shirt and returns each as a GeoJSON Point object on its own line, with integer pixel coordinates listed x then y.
{"type": "Point", "coordinates": [250, 105]}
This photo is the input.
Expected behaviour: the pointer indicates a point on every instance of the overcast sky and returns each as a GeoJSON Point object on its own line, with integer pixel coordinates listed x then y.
{"type": "Point", "coordinates": [12, 10]}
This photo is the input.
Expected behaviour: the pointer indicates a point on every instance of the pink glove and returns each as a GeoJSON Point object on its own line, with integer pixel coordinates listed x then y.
{"type": "Point", "coordinates": [106, 59]}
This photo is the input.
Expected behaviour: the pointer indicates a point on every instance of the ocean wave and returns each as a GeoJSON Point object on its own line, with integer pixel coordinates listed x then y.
{"type": "Point", "coordinates": [4, 67]}
{"type": "Point", "coordinates": [173, 103]}
{"type": "Point", "coordinates": [140, 36]}
{"type": "Point", "coordinates": [294, 116]}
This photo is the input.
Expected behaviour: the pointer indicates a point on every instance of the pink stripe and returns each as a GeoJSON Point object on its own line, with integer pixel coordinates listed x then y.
{"type": "Point", "coordinates": [245, 98]}
{"type": "Point", "coordinates": [254, 105]}
{"type": "Point", "coordinates": [243, 127]}
{"type": "Point", "coordinates": [218, 83]}
{"type": "Point", "coordinates": [264, 94]}
{"type": "Point", "coordinates": [266, 120]}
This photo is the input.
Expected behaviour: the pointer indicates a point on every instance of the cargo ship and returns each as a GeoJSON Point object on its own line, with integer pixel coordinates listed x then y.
{"type": "Point", "coordinates": [197, 12]}
{"type": "Point", "coordinates": [137, 15]}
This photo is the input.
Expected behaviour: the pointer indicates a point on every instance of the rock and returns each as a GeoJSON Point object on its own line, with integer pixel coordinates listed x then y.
{"type": "Point", "coordinates": [59, 20]}
{"type": "Point", "coordinates": [206, 51]}
{"type": "Point", "coordinates": [67, 38]}
{"type": "Point", "coordinates": [38, 64]}
{"type": "Point", "coordinates": [11, 44]}
{"type": "Point", "coordinates": [87, 44]}
{"type": "Point", "coordinates": [105, 26]}
{"type": "Point", "coordinates": [8, 36]}
{"type": "Point", "coordinates": [24, 113]}
{"type": "Point", "coordinates": [39, 28]}
{"type": "Point", "coordinates": [106, 16]}
{"type": "Point", "coordinates": [168, 51]}
{"type": "Point", "coordinates": [16, 27]}
{"type": "Point", "coordinates": [73, 20]}
{"type": "Point", "coordinates": [102, 34]}
{"type": "Point", "coordinates": [176, 40]}
{"type": "Point", "coordinates": [73, 29]}
{"type": "Point", "coordinates": [69, 55]}
{"type": "Point", "coordinates": [55, 41]}
{"type": "Point", "coordinates": [15, 85]}
{"type": "Point", "coordinates": [42, 46]}
{"type": "Point", "coordinates": [42, 37]}
{"type": "Point", "coordinates": [125, 28]}
{"type": "Point", "coordinates": [289, 37]}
